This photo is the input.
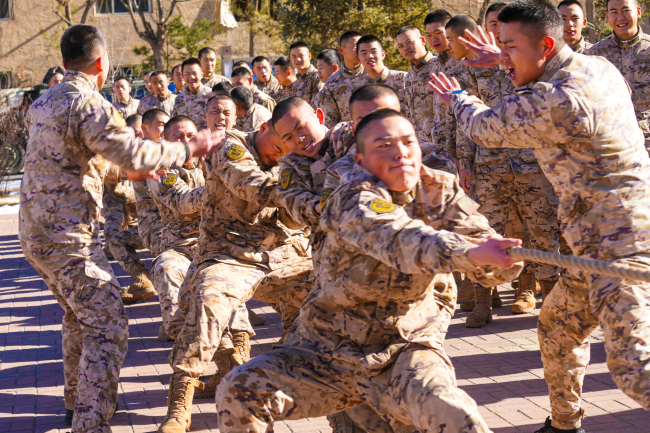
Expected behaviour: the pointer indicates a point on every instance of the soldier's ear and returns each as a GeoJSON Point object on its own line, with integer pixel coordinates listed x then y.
{"type": "Point", "coordinates": [320, 115]}
{"type": "Point", "coordinates": [336, 67]}
{"type": "Point", "coordinates": [358, 158]}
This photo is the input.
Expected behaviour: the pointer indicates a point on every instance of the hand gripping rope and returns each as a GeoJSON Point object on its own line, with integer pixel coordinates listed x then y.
{"type": "Point", "coordinates": [574, 262]}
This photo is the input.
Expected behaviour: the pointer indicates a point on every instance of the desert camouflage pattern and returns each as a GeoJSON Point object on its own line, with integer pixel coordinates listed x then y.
{"type": "Point", "coordinates": [334, 97]}
{"type": "Point", "coordinates": [169, 270]}
{"type": "Point", "coordinates": [124, 246]}
{"type": "Point", "coordinates": [396, 81]}
{"type": "Point", "coordinates": [94, 329]}
{"type": "Point", "coordinates": [61, 192]}
{"type": "Point", "coordinates": [582, 133]}
{"type": "Point", "coordinates": [117, 212]}
{"type": "Point", "coordinates": [126, 108]}
{"type": "Point", "coordinates": [631, 59]}
{"type": "Point", "coordinates": [419, 100]}
{"type": "Point", "coordinates": [213, 80]}
{"type": "Point", "coordinates": [149, 222]}
{"type": "Point", "coordinates": [444, 124]}
{"type": "Point", "coordinates": [145, 100]}
{"type": "Point", "coordinates": [165, 104]}
{"type": "Point", "coordinates": [271, 88]}
{"type": "Point", "coordinates": [193, 105]}
{"type": "Point", "coordinates": [263, 99]}
{"type": "Point", "coordinates": [307, 86]}
{"type": "Point", "coordinates": [253, 119]}
{"type": "Point", "coordinates": [582, 46]}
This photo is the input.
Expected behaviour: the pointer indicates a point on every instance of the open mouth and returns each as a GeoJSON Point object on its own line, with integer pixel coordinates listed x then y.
{"type": "Point", "coordinates": [622, 25]}
{"type": "Point", "coordinates": [309, 146]}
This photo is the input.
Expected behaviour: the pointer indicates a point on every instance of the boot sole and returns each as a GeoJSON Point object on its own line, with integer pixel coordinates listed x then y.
{"type": "Point", "coordinates": [478, 325]}
{"type": "Point", "coordinates": [497, 304]}
{"type": "Point", "coordinates": [522, 311]}
{"type": "Point", "coordinates": [132, 299]}
{"type": "Point", "coordinates": [203, 395]}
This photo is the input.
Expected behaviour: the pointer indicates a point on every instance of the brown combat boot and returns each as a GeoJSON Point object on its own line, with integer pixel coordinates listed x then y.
{"type": "Point", "coordinates": [226, 360]}
{"type": "Point", "coordinates": [179, 405]}
{"type": "Point", "coordinates": [525, 302]}
{"type": "Point", "coordinates": [162, 334]}
{"type": "Point", "coordinates": [256, 319]}
{"type": "Point", "coordinates": [141, 289]}
{"type": "Point", "coordinates": [466, 295]}
{"type": "Point", "coordinates": [547, 286]}
{"type": "Point", "coordinates": [496, 299]}
{"type": "Point", "coordinates": [482, 313]}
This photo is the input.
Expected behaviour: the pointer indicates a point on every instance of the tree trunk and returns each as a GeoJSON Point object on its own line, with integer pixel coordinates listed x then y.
{"type": "Point", "coordinates": [158, 48]}
{"type": "Point", "coordinates": [481, 13]}
{"type": "Point", "coordinates": [251, 40]}
{"type": "Point", "coordinates": [591, 18]}
{"type": "Point", "coordinates": [89, 6]}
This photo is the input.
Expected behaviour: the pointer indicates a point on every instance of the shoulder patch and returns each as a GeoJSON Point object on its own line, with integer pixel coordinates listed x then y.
{"type": "Point", "coordinates": [487, 74]}
{"type": "Point", "coordinates": [285, 178]}
{"type": "Point", "coordinates": [304, 167]}
{"type": "Point", "coordinates": [236, 152]}
{"type": "Point", "coordinates": [343, 89]}
{"type": "Point", "coordinates": [170, 179]}
{"type": "Point", "coordinates": [325, 195]}
{"type": "Point", "coordinates": [468, 205]}
{"type": "Point", "coordinates": [382, 206]}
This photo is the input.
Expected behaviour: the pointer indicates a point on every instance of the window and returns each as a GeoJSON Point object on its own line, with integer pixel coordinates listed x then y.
{"type": "Point", "coordinates": [5, 9]}
{"type": "Point", "coordinates": [117, 7]}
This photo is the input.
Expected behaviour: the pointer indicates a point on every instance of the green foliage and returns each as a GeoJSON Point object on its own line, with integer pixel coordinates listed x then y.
{"type": "Point", "coordinates": [319, 23]}
{"type": "Point", "coordinates": [147, 62]}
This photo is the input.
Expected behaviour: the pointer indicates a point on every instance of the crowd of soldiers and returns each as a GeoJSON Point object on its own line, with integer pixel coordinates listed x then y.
{"type": "Point", "coordinates": [360, 203]}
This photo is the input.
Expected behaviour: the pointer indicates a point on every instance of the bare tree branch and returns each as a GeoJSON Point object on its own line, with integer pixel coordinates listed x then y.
{"type": "Point", "coordinates": [481, 13]}
{"type": "Point", "coordinates": [89, 6]}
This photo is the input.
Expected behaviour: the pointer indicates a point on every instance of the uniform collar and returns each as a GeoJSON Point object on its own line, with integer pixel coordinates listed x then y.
{"type": "Point", "coordinates": [402, 198]}
{"type": "Point", "coordinates": [580, 45]}
{"type": "Point", "coordinates": [353, 72]}
{"type": "Point", "coordinates": [169, 95]}
{"type": "Point", "coordinates": [80, 78]}
{"type": "Point", "coordinates": [630, 42]}
{"type": "Point", "coordinates": [250, 143]}
{"type": "Point", "coordinates": [208, 77]}
{"type": "Point", "coordinates": [271, 82]}
{"type": "Point", "coordinates": [124, 104]}
{"type": "Point", "coordinates": [310, 71]}
{"type": "Point", "coordinates": [384, 74]}
{"type": "Point", "coordinates": [556, 63]}
{"type": "Point", "coordinates": [444, 57]}
{"type": "Point", "coordinates": [423, 63]}
{"type": "Point", "coordinates": [189, 92]}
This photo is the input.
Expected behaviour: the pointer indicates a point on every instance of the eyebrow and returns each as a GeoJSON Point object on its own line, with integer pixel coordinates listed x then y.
{"type": "Point", "coordinates": [508, 40]}
{"type": "Point", "coordinates": [294, 128]}
{"type": "Point", "coordinates": [391, 137]}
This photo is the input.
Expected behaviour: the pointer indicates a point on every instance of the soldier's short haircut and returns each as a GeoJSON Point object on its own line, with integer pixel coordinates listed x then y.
{"type": "Point", "coordinates": [133, 119]}
{"type": "Point", "coordinates": [539, 18]}
{"type": "Point", "coordinates": [81, 45]}
{"type": "Point", "coordinates": [407, 29]}
{"type": "Point", "coordinates": [363, 126]}
{"type": "Point", "coordinates": [241, 64]}
{"type": "Point", "coordinates": [298, 44]}
{"type": "Point", "coordinates": [345, 37]}
{"type": "Point", "coordinates": [219, 97]}
{"type": "Point", "coordinates": [242, 97]}
{"type": "Point", "coordinates": [571, 3]}
{"type": "Point", "coordinates": [245, 72]}
{"type": "Point", "coordinates": [259, 59]}
{"type": "Point", "coordinates": [437, 16]}
{"type": "Point", "coordinates": [370, 92]}
{"type": "Point", "coordinates": [176, 67]}
{"type": "Point", "coordinates": [189, 62]}
{"type": "Point", "coordinates": [149, 116]}
{"type": "Point", "coordinates": [175, 121]}
{"type": "Point", "coordinates": [369, 39]}
{"type": "Point", "coordinates": [634, 3]}
{"type": "Point", "coordinates": [121, 77]}
{"type": "Point", "coordinates": [206, 50]}
{"type": "Point", "coordinates": [285, 63]}
{"type": "Point", "coordinates": [156, 73]}
{"type": "Point", "coordinates": [223, 88]}
{"type": "Point", "coordinates": [460, 23]}
{"type": "Point", "coordinates": [495, 7]}
{"type": "Point", "coordinates": [287, 105]}
{"type": "Point", "coordinates": [329, 56]}
{"type": "Point", "coordinates": [148, 74]}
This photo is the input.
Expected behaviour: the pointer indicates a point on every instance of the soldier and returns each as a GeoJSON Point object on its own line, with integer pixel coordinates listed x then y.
{"type": "Point", "coordinates": [307, 83]}
{"type": "Point", "coordinates": [362, 343]}
{"type": "Point", "coordinates": [194, 97]}
{"type": "Point", "coordinates": [492, 23]}
{"type": "Point", "coordinates": [286, 76]}
{"type": "Point", "coordinates": [242, 64]}
{"type": "Point", "coordinates": [504, 181]}
{"type": "Point", "coordinates": [248, 247]}
{"type": "Point", "coordinates": [627, 48]}
{"type": "Point", "coordinates": [266, 82]}
{"type": "Point", "coordinates": [61, 197]}
{"type": "Point", "coordinates": [122, 99]}
{"type": "Point", "coordinates": [164, 99]}
{"type": "Point", "coordinates": [587, 141]}
{"type": "Point", "coordinates": [147, 85]}
{"type": "Point", "coordinates": [249, 114]}
{"type": "Point", "coordinates": [242, 77]}
{"type": "Point", "coordinates": [371, 55]}
{"type": "Point", "coordinates": [327, 63]}
{"type": "Point", "coordinates": [574, 22]}
{"type": "Point", "coordinates": [208, 59]}
{"type": "Point", "coordinates": [177, 78]}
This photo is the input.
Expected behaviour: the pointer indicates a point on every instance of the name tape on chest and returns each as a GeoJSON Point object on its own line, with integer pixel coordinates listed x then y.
{"type": "Point", "coordinates": [382, 206]}
{"type": "Point", "coordinates": [236, 152]}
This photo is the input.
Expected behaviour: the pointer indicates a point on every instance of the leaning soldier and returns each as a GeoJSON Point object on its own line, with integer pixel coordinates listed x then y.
{"type": "Point", "coordinates": [327, 64]}
{"type": "Point", "coordinates": [66, 167]}
{"type": "Point", "coordinates": [307, 83]}
{"type": "Point", "coordinates": [587, 141]}
{"type": "Point", "coordinates": [249, 114]}
{"type": "Point", "coordinates": [208, 58]}
{"type": "Point", "coordinates": [122, 99]}
{"type": "Point", "coordinates": [373, 334]}
{"type": "Point", "coordinates": [243, 77]}
{"type": "Point", "coordinates": [194, 97]}
{"type": "Point", "coordinates": [164, 99]}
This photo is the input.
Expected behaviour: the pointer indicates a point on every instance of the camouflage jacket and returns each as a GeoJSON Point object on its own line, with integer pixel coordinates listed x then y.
{"type": "Point", "coordinates": [164, 104]}
{"type": "Point", "coordinates": [193, 105]}
{"type": "Point", "coordinates": [308, 85]}
{"type": "Point", "coordinates": [632, 59]}
{"type": "Point", "coordinates": [179, 196]}
{"type": "Point", "coordinates": [213, 80]}
{"type": "Point", "coordinates": [242, 218]}
{"type": "Point", "coordinates": [385, 279]}
{"type": "Point", "coordinates": [394, 80]}
{"type": "Point", "coordinates": [146, 100]}
{"type": "Point", "coordinates": [444, 124]}
{"type": "Point", "coordinates": [588, 144]}
{"type": "Point", "coordinates": [419, 100]}
{"type": "Point", "coordinates": [582, 46]}
{"type": "Point", "coordinates": [149, 222]}
{"type": "Point", "coordinates": [263, 99]}
{"type": "Point", "coordinates": [271, 88]}
{"type": "Point", "coordinates": [61, 192]}
{"type": "Point", "coordinates": [128, 108]}
{"type": "Point", "coordinates": [334, 97]}
{"type": "Point", "coordinates": [253, 119]}
{"type": "Point", "coordinates": [493, 87]}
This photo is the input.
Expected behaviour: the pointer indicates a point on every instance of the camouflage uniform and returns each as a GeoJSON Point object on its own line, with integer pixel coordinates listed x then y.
{"type": "Point", "coordinates": [271, 88]}
{"type": "Point", "coordinates": [263, 99]}
{"type": "Point", "coordinates": [146, 100]}
{"type": "Point", "coordinates": [334, 97]}
{"type": "Point", "coordinates": [193, 105]}
{"type": "Point", "coordinates": [630, 58]}
{"type": "Point", "coordinates": [394, 80]}
{"type": "Point", "coordinates": [587, 141]}
{"type": "Point", "coordinates": [164, 104]}
{"type": "Point", "coordinates": [128, 108]}
{"type": "Point", "coordinates": [253, 119]}
{"type": "Point", "coordinates": [419, 100]}
{"type": "Point", "coordinates": [213, 80]}
{"type": "Point", "coordinates": [444, 125]}
{"type": "Point", "coordinates": [149, 224]}
{"type": "Point", "coordinates": [60, 202]}
{"type": "Point", "coordinates": [308, 85]}
{"type": "Point", "coordinates": [286, 91]}
{"type": "Point", "coordinates": [373, 334]}
{"type": "Point", "coordinates": [582, 46]}
{"type": "Point", "coordinates": [247, 248]}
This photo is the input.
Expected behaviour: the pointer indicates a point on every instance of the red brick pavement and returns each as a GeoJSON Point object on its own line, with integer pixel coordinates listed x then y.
{"type": "Point", "coordinates": [499, 366]}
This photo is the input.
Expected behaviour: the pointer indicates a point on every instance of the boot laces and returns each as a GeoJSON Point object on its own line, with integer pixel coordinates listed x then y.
{"type": "Point", "coordinates": [179, 398]}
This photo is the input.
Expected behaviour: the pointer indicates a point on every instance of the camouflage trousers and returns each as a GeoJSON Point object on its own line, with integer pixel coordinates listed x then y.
{"type": "Point", "coordinates": [94, 328]}
{"type": "Point", "coordinates": [579, 303]}
{"type": "Point", "coordinates": [217, 290]}
{"type": "Point", "coordinates": [169, 270]}
{"type": "Point", "coordinates": [417, 391]}
{"type": "Point", "coordinates": [530, 196]}
{"type": "Point", "coordinates": [115, 220]}
{"type": "Point", "coordinates": [123, 246]}
{"type": "Point", "coordinates": [150, 231]}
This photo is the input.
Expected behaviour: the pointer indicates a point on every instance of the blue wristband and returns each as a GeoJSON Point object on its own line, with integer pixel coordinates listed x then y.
{"type": "Point", "coordinates": [456, 92]}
